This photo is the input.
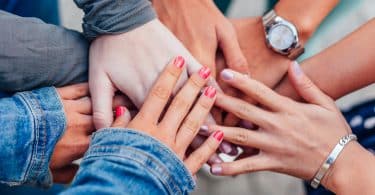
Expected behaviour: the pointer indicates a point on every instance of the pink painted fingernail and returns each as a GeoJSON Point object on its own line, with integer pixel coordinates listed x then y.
{"type": "Point", "coordinates": [120, 111]}
{"type": "Point", "coordinates": [218, 135]}
{"type": "Point", "coordinates": [210, 92]}
{"type": "Point", "coordinates": [204, 72]}
{"type": "Point", "coordinates": [227, 75]}
{"type": "Point", "coordinates": [179, 62]}
{"type": "Point", "coordinates": [216, 169]}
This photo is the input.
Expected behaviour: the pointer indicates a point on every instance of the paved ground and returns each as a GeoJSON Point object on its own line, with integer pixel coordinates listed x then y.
{"type": "Point", "coordinates": [261, 183]}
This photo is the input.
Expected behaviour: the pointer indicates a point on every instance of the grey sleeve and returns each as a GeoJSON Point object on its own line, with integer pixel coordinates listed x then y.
{"type": "Point", "coordinates": [34, 54]}
{"type": "Point", "coordinates": [114, 16]}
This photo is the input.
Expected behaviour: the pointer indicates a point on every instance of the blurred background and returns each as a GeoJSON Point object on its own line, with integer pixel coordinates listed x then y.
{"type": "Point", "coordinates": [348, 16]}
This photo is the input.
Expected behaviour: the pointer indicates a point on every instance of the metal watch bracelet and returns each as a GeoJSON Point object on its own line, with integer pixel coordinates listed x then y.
{"type": "Point", "coordinates": [331, 159]}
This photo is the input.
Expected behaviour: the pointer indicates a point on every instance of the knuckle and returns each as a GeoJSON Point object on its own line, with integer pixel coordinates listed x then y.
{"type": "Point", "coordinates": [190, 126]}
{"type": "Point", "coordinates": [242, 111]}
{"type": "Point", "coordinates": [306, 84]}
{"type": "Point", "coordinates": [249, 166]}
{"type": "Point", "coordinates": [160, 92]}
{"type": "Point", "coordinates": [259, 91]}
{"type": "Point", "coordinates": [100, 120]}
{"type": "Point", "coordinates": [196, 82]}
{"type": "Point", "coordinates": [198, 157]}
{"type": "Point", "coordinates": [238, 63]}
{"type": "Point", "coordinates": [205, 104]}
{"type": "Point", "coordinates": [180, 103]}
{"type": "Point", "coordinates": [241, 137]}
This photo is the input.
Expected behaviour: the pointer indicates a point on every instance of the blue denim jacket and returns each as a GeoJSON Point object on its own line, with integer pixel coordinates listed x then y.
{"type": "Point", "coordinates": [30, 125]}
{"type": "Point", "coordinates": [119, 161]}
{"type": "Point", "coordinates": [124, 161]}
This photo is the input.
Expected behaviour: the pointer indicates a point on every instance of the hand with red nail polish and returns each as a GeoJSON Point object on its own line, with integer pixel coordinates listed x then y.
{"type": "Point", "coordinates": [182, 119]}
{"type": "Point", "coordinates": [131, 62]}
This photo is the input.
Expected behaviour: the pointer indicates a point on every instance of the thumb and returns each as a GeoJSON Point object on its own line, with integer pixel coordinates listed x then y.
{"type": "Point", "coordinates": [102, 92]}
{"type": "Point", "coordinates": [122, 117]}
{"type": "Point", "coordinates": [233, 55]}
{"type": "Point", "coordinates": [306, 88]}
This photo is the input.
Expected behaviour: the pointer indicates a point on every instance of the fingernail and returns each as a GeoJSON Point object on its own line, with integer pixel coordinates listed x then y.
{"type": "Point", "coordinates": [218, 135]}
{"type": "Point", "coordinates": [204, 72]}
{"type": "Point", "coordinates": [227, 75]}
{"type": "Point", "coordinates": [225, 148]}
{"type": "Point", "coordinates": [179, 62]}
{"type": "Point", "coordinates": [120, 111]}
{"type": "Point", "coordinates": [247, 124]}
{"type": "Point", "coordinates": [216, 169]}
{"type": "Point", "coordinates": [297, 68]}
{"type": "Point", "coordinates": [210, 92]}
{"type": "Point", "coordinates": [204, 128]}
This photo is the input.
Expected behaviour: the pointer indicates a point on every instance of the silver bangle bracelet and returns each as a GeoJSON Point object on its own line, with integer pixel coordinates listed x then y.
{"type": "Point", "coordinates": [331, 159]}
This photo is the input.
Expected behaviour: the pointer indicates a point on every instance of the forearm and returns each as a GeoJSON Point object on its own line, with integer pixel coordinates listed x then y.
{"type": "Point", "coordinates": [34, 54]}
{"type": "Point", "coordinates": [353, 172]}
{"type": "Point", "coordinates": [342, 68]}
{"type": "Point", "coordinates": [305, 14]}
{"type": "Point", "coordinates": [103, 17]}
{"type": "Point", "coordinates": [31, 123]}
{"type": "Point", "coordinates": [130, 162]}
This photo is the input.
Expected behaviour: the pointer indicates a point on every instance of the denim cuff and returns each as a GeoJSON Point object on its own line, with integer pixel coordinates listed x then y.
{"type": "Point", "coordinates": [146, 151]}
{"type": "Point", "coordinates": [41, 131]}
{"type": "Point", "coordinates": [103, 17]}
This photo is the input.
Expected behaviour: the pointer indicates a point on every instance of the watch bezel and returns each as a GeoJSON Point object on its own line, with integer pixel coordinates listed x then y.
{"type": "Point", "coordinates": [278, 21]}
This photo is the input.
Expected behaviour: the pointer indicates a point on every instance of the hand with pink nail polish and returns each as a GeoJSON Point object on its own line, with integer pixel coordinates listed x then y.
{"type": "Point", "coordinates": [178, 124]}
{"type": "Point", "coordinates": [130, 63]}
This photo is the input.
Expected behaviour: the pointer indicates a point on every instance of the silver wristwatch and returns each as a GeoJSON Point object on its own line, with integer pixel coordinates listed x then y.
{"type": "Point", "coordinates": [282, 36]}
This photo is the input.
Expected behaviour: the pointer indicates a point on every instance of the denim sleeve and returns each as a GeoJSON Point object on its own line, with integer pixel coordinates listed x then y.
{"type": "Point", "coordinates": [30, 125]}
{"type": "Point", "coordinates": [34, 54]}
{"type": "Point", "coordinates": [114, 16]}
{"type": "Point", "coordinates": [123, 161]}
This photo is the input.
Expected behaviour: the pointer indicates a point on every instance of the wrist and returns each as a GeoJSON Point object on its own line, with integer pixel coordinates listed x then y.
{"type": "Point", "coordinates": [350, 164]}
{"type": "Point", "coordinates": [303, 24]}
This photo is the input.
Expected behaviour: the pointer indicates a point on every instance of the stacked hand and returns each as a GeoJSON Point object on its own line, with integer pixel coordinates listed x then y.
{"type": "Point", "coordinates": [178, 126]}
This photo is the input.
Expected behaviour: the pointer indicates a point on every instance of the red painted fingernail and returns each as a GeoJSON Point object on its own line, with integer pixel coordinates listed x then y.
{"type": "Point", "coordinates": [218, 135]}
{"type": "Point", "coordinates": [179, 62]}
{"type": "Point", "coordinates": [204, 72]}
{"type": "Point", "coordinates": [120, 111]}
{"type": "Point", "coordinates": [210, 92]}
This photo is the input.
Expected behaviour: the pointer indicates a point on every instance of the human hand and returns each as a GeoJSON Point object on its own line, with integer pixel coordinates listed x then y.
{"type": "Point", "coordinates": [202, 28]}
{"type": "Point", "coordinates": [264, 65]}
{"type": "Point", "coordinates": [293, 138]}
{"type": "Point", "coordinates": [79, 127]}
{"type": "Point", "coordinates": [178, 126]}
{"type": "Point", "coordinates": [130, 63]}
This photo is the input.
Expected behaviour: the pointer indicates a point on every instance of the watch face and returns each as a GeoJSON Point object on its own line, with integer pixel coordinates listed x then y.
{"type": "Point", "coordinates": [281, 37]}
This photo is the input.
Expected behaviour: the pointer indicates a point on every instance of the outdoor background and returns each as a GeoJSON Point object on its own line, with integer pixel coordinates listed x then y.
{"type": "Point", "coordinates": [347, 17]}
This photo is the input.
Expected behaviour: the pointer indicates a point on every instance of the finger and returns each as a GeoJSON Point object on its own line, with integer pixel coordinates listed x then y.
{"type": "Point", "coordinates": [306, 88]}
{"type": "Point", "coordinates": [250, 164]}
{"type": "Point", "coordinates": [200, 156]}
{"type": "Point", "coordinates": [161, 91]}
{"type": "Point", "coordinates": [83, 105]}
{"type": "Point", "coordinates": [122, 117]}
{"type": "Point", "coordinates": [195, 119]}
{"type": "Point", "coordinates": [244, 137]}
{"type": "Point", "coordinates": [73, 92]}
{"type": "Point", "coordinates": [254, 89]}
{"type": "Point", "coordinates": [228, 43]}
{"type": "Point", "coordinates": [243, 110]}
{"type": "Point", "coordinates": [123, 100]}
{"type": "Point", "coordinates": [231, 120]}
{"type": "Point", "coordinates": [102, 92]}
{"type": "Point", "coordinates": [197, 142]}
{"type": "Point", "coordinates": [183, 101]}
{"type": "Point", "coordinates": [64, 175]}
